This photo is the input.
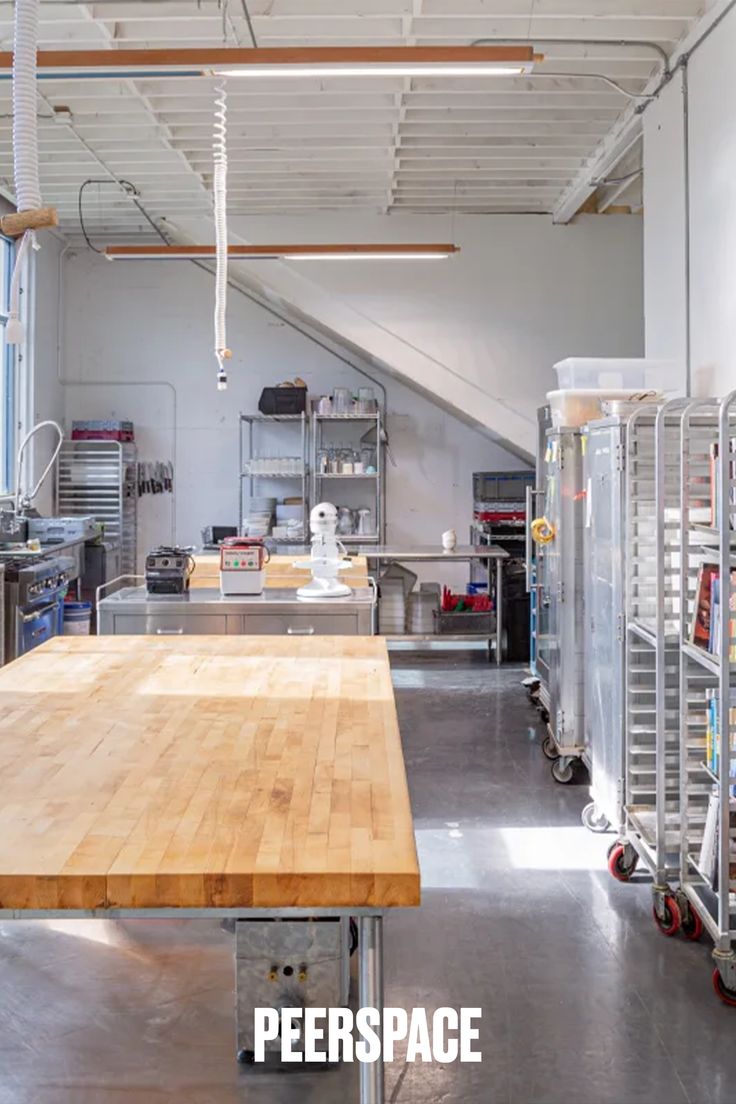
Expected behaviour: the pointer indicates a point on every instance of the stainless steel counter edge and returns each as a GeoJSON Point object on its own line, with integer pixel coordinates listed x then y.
{"type": "Point", "coordinates": [204, 600]}
{"type": "Point", "coordinates": [46, 550]}
{"type": "Point", "coordinates": [431, 553]}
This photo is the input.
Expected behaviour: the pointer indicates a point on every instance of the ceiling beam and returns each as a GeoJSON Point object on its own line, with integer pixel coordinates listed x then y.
{"type": "Point", "coordinates": [263, 58]}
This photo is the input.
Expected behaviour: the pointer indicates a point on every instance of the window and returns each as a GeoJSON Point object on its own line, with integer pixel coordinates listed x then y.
{"type": "Point", "coordinates": [7, 373]}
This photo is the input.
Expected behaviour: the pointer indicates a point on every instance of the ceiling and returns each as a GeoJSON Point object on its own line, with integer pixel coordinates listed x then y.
{"type": "Point", "coordinates": [298, 145]}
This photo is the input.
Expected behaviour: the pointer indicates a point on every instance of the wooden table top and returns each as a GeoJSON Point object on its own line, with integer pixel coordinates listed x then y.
{"type": "Point", "coordinates": [280, 571]}
{"type": "Point", "coordinates": [203, 771]}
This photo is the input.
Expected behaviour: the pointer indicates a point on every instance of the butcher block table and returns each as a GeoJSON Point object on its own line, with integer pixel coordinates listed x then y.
{"type": "Point", "coordinates": [280, 570]}
{"type": "Point", "coordinates": [241, 777]}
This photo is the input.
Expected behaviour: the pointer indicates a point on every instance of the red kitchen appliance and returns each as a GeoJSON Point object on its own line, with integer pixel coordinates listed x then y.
{"type": "Point", "coordinates": [243, 565]}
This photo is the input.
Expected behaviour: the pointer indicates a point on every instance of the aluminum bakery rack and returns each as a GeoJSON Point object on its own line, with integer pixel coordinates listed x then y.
{"type": "Point", "coordinates": [650, 791]}
{"type": "Point", "coordinates": [707, 896]}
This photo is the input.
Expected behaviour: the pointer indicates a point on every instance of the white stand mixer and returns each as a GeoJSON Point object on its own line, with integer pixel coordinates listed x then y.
{"type": "Point", "coordinates": [327, 559]}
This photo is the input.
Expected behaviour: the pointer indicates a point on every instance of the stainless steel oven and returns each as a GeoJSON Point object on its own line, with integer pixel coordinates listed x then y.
{"type": "Point", "coordinates": [34, 603]}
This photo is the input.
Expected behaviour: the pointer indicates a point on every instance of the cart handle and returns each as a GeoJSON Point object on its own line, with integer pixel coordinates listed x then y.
{"type": "Point", "coordinates": [120, 579]}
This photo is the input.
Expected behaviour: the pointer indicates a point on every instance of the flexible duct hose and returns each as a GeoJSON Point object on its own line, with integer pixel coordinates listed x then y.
{"type": "Point", "coordinates": [25, 143]}
{"type": "Point", "coordinates": [219, 187]}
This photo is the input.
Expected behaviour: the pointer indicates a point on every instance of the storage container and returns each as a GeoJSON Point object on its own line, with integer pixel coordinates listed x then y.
{"type": "Point", "coordinates": [573, 409]}
{"type": "Point", "coordinates": [614, 373]}
{"type": "Point", "coordinates": [77, 618]}
{"type": "Point", "coordinates": [283, 400]}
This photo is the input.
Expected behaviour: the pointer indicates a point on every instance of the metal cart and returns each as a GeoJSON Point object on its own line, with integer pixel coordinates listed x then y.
{"type": "Point", "coordinates": [708, 685]}
{"type": "Point", "coordinates": [100, 479]}
{"type": "Point", "coordinates": [650, 828]}
{"type": "Point", "coordinates": [561, 596]}
{"type": "Point", "coordinates": [604, 467]}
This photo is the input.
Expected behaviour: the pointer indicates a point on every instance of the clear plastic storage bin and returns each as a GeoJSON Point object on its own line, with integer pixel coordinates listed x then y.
{"type": "Point", "coordinates": [613, 374]}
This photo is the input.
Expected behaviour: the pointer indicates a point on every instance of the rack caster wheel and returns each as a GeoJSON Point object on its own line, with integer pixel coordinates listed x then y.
{"type": "Point", "coordinates": [691, 924]}
{"type": "Point", "coordinates": [549, 748]}
{"type": "Point", "coordinates": [246, 1057]}
{"type": "Point", "coordinates": [670, 922]}
{"type": "Point", "coordinates": [622, 861]}
{"type": "Point", "coordinates": [593, 819]}
{"type": "Point", "coordinates": [563, 771]}
{"type": "Point", "coordinates": [728, 996]}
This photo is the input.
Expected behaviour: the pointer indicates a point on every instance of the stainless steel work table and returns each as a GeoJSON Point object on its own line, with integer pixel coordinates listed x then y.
{"type": "Point", "coordinates": [491, 554]}
{"type": "Point", "coordinates": [277, 611]}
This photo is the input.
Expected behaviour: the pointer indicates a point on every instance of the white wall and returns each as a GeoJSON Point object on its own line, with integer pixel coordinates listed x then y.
{"type": "Point", "coordinates": [142, 323]}
{"type": "Point", "coordinates": [712, 85]}
{"type": "Point", "coordinates": [522, 294]}
{"type": "Point", "coordinates": [712, 188]}
{"type": "Point", "coordinates": [479, 331]}
{"type": "Point", "coordinates": [665, 290]}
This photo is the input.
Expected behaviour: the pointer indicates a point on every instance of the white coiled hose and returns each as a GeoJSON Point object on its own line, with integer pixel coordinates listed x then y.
{"type": "Point", "coordinates": [25, 144]}
{"type": "Point", "coordinates": [219, 188]}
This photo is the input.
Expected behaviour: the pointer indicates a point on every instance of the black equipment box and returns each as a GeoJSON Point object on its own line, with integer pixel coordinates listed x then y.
{"type": "Point", "coordinates": [283, 400]}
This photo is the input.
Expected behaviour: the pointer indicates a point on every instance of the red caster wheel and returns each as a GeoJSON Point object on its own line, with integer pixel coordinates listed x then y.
{"type": "Point", "coordinates": [617, 864]}
{"type": "Point", "coordinates": [728, 996]}
{"type": "Point", "coordinates": [691, 924]}
{"type": "Point", "coordinates": [669, 923]}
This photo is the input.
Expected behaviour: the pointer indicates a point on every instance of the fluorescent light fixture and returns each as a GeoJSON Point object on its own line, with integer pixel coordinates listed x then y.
{"type": "Point", "coordinates": [357, 256]}
{"type": "Point", "coordinates": [419, 69]}
{"type": "Point", "coordinates": [292, 61]}
{"type": "Point", "coordinates": [412, 251]}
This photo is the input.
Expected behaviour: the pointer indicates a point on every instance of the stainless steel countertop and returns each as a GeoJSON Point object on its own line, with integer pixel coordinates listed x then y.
{"type": "Point", "coordinates": [431, 552]}
{"type": "Point", "coordinates": [209, 600]}
{"type": "Point", "coordinates": [46, 550]}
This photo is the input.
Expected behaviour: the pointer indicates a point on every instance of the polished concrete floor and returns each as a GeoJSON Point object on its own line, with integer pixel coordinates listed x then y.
{"type": "Point", "coordinates": [584, 1002]}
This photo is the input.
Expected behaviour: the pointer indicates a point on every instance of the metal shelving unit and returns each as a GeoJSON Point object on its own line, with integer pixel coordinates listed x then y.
{"type": "Point", "coordinates": [374, 482]}
{"type": "Point", "coordinates": [100, 478]}
{"type": "Point", "coordinates": [251, 431]}
{"type": "Point", "coordinates": [652, 611]}
{"type": "Point", "coordinates": [707, 897]}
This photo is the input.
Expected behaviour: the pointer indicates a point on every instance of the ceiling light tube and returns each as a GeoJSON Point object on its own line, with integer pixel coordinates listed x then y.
{"type": "Point", "coordinates": [415, 251]}
{"type": "Point", "coordinates": [309, 61]}
{"type": "Point", "coordinates": [400, 69]}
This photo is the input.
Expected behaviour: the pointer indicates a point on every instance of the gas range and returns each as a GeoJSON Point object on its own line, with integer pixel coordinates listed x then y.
{"type": "Point", "coordinates": [34, 598]}
{"type": "Point", "coordinates": [38, 580]}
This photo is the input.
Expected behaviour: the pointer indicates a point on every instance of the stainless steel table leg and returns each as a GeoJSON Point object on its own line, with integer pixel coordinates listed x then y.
{"type": "Point", "coordinates": [499, 611]}
{"type": "Point", "coordinates": [370, 982]}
